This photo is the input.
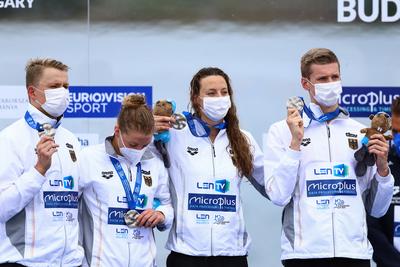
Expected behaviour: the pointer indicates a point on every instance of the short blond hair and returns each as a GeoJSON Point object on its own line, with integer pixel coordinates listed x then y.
{"type": "Point", "coordinates": [318, 56]}
{"type": "Point", "coordinates": [34, 69]}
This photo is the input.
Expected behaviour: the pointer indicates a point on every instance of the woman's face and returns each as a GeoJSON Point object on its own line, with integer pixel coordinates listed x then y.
{"type": "Point", "coordinates": [212, 86]}
{"type": "Point", "coordinates": [133, 139]}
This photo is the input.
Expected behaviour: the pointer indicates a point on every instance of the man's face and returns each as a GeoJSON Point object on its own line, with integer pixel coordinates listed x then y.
{"type": "Point", "coordinates": [325, 73]}
{"type": "Point", "coordinates": [51, 79]}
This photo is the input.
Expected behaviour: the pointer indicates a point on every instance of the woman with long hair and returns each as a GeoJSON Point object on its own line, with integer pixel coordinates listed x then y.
{"type": "Point", "coordinates": [208, 162]}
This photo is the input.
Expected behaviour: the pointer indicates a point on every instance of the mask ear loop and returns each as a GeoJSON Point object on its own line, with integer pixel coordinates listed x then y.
{"type": "Point", "coordinates": [122, 140]}
{"type": "Point", "coordinates": [41, 91]}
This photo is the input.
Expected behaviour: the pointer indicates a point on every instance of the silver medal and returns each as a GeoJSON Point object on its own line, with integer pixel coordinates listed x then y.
{"type": "Point", "coordinates": [180, 121]}
{"type": "Point", "coordinates": [131, 218]}
{"type": "Point", "coordinates": [48, 130]}
{"type": "Point", "coordinates": [295, 102]}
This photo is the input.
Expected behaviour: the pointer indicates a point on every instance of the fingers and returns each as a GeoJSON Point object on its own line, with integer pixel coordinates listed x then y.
{"type": "Point", "coordinates": [143, 217]}
{"type": "Point", "coordinates": [46, 147]}
{"type": "Point", "coordinates": [292, 112]}
{"type": "Point", "coordinates": [44, 139]}
{"type": "Point", "coordinates": [150, 218]}
{"type": "Point", "coordinates": [163, 123]}
{"type": "Point", "coordinates": [378, 145]}
{"type": "Point", "coordinates": [293, 115]}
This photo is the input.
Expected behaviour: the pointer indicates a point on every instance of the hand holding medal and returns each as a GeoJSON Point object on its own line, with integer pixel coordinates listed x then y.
{"type": "Point", "coordinates": [149, 218]}
{"type": "Point", "coordinates": [297, 103]}
{"type": "Point", "coordinates": [294, 121]}
{"type": "Point", "coordinates": [45, 148]}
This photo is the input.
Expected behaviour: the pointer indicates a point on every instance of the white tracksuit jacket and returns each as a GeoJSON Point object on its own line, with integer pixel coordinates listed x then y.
{"type": "Point", "coordinates": [38, 214]}
{"type": "Point", "coordinates": [325, 203]}
{"type": "Point", "coordinates": [107, 241]}
{"type": "Point", "coordinates": [205, 190]}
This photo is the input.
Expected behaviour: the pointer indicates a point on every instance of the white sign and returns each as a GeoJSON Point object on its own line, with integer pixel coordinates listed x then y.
{"type": "Point", "coordinates": [87, 139]}
{"type": "Point", "coordinates": [348, 10]}
{"type": "Point", "coordinates": [13, 101]}
{"type": "Point", "coordinates": [16, 3]}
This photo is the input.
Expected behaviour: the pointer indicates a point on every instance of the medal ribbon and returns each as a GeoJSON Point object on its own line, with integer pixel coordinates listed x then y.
{"type": "Point", "coordinates": [35, 125]}
{"type": "Point", "coordinates": [131, 197]}
{"type": "Point", "coordinates": [190, 121]}
{"type": "Point", "coordinates": [323, 118]}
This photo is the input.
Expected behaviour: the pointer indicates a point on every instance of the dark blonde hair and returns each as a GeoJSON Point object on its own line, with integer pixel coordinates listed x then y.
{"type": "Point", "coordinates": [242, 158]}
{"type": "Point", "coordinates": [318, 56]}
{"type": "Point", "coordinates": [34, 69]}
{"type": "Point", "coordinates": [135, 115]}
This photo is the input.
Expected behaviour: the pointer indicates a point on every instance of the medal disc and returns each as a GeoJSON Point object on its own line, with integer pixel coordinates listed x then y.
{"type": "Point", "coordinates": [48, 130]}
{"type": "Point", "coordinates": [130, 218]}
{"type": "Point", "coordinates": [295, 102]}
{"type": "Point", "coordinates": [180, 121]}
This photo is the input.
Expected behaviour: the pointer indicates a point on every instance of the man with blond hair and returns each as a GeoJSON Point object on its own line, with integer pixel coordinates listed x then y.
{"type": "Point", "coordinates": [310, 171]}
{"type": "Point", "coordinates": [38, 176]}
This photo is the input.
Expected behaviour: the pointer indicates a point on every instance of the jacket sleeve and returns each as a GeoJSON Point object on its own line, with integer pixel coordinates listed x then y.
{"type": "Point", "coordinates": [281, 166]}
{"type": "Point", "coordinates": [17, 186]}
{"type": "Point", "coordinates": [163, 195]}
{"type": "Point", "coordinates": [257, 177]}
{"type": "Point", "coordinates": [385, 253]}
{"type": "Point", "coordinates": [378, 193]}
{"type": "Point", "coordinates": [84, 167]}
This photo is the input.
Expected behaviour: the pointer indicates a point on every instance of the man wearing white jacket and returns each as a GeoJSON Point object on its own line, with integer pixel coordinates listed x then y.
{"type": "Point", "coordinates": [38, 176]}
{"type": "Point", "coordinates": [310, 170]}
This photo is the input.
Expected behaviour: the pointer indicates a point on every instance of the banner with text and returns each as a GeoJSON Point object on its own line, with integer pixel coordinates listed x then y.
{"type": "Point", "coordinates": [101, 101]}
{"type": "Point", "coordinates": [361, 101]}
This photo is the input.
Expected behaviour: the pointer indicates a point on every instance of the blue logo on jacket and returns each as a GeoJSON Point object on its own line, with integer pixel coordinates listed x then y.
{"type": "Point", "coordinates": [116, 215]}
{"type": "Point", "coordinates": [221, 186]}
{"type": "Point", "coordinates": [207, 202]}
{"type": "Point", "coordinates": [60, 199]}
{"type": "Point", "coordinates": [67, 182]}
{"type": "Point", "coordinates": [332, 187]}
{"type": "Point", "coordinates": [141, 200]}
{"type": "Point", "coordinates": [340, 170]}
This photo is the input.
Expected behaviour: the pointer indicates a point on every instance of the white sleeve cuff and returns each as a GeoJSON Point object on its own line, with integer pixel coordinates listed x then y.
{"type": "Point", "coordinates": [385, 179]}
{"type": "Point", "coordinates": [293, 154]}
{"type": "Point", "coordinates": [30, 181]}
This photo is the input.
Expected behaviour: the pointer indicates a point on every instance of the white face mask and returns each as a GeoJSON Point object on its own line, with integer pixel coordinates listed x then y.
{"type": "Point", "coordinates": [328, 94]}
{"type": "Point", "coordinates": [132, 155]}
{"type": "Point", "coordinates": [216, 108]}
{"type": "Point", "coordinates": [57, 101]}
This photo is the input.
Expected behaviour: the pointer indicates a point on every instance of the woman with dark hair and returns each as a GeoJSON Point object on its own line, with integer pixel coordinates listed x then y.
{"type": "Point", "coordinates": [125, 192]}
{"type": "Point", "coordinates": [209, 159]}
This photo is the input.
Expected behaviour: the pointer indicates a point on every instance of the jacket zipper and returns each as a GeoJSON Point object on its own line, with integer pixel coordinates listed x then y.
{"type": "Point", "coordinates": [65, 245]}
{"type": "Point", "coordinates": [129, 257]}
{"type": "Point", "coordinates": [213, 155]}
{"type": "Point", "coordinates": [184, 192]}
{"type": "Point", "coordinates": [333, 211]}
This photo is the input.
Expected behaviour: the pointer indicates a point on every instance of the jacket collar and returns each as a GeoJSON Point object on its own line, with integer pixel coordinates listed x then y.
{"type": "Point", "coordinates": [344, 114]}
{"type": "Point", "coordinates": [41, 118]}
